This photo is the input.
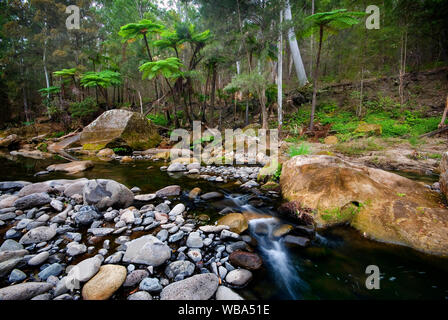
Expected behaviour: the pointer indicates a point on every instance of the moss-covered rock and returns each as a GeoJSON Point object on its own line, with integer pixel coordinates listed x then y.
{"type": "Point", "coordinates": [368, 128]}
{"type": "Point", "coordinates": [380, 204]}
{"type": "Point", "coordinates": [132, 127]}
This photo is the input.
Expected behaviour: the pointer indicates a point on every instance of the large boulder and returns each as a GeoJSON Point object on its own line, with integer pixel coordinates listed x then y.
{"type": "Point", "coordinates": [382, 205]}
{"type": "Point", "coordinates": [105, 193]}
{"type": "Point", "coordinates": [198, 287]}
{"type": "Point", "coordinates": [130, 126]}
{"type": "Point", "coordinates": [147, 250]}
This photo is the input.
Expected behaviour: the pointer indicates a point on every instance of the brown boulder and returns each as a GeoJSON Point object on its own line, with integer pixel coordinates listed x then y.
{"type": "Point", "coordinates": [104, 284]}
{"type": "Point", "coordinates": [236, 222]}
{"type": "Point", "coordinates": [247, 260]}
{"type": "Point", "coordinates": [382, 205]}
{"type": "Point", "coordinates": [71, 167]}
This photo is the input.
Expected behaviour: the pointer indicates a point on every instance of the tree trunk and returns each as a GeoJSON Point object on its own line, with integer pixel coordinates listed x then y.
{"type": "Point", "coordinates": [316, 74]}
{"type": "Point", "coordinates": [47, 80]}
{"type": "Point", "coordinates": [264, 113]}
{"type": "Point", "coordinates": [212, 96]}
{"type": "Point", "coordinates": [280, 76]}
{"type": "Point", "coordinates": [295, 52]}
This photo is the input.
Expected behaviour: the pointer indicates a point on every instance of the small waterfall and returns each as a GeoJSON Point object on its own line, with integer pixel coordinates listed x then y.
{"type": "Point", "coordinates": [276, 257]}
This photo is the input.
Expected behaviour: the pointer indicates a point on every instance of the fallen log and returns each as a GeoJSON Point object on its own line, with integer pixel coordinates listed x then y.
{"type": "Point", "coordinates": [435, 132]}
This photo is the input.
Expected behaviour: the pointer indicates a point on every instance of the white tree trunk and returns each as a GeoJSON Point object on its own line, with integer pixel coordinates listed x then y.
{"type": "Point", "coordinates": [280, 76]}
{"type": "Point", "coordinates": [295, 52]}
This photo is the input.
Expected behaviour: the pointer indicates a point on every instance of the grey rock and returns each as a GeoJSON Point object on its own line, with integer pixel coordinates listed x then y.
{"type": "Point", "coordinates": [163, 208]}
{"type": "Point", "coordinates": [57, 205]}
{"type": "Point", "coordinates": [194, 240]}
{"type": "Point", "coordinates": [39, 258]}
{"type": "Point", "coordinates": [32, 200]}
{"type": "Point", "coordinates": [135, 277]}
{"type": "Point", "coordinates": [75, 248]}
{"type": "Point", "coordinates": [198, 287]}
{"type": "Point", "coordinates": [105, 193]}
{"type": "Point", "coordinates": [85, 270]}
{"type": "Point", "coordinates": [43, 297]}
{"type": "Point", "coordinates": [212, 196]}
{"type": "Point", "coordinates": [169, 191]}
{"type": "Point", "coordinates": [140, 295]}
{"type": "Point", "coordinates": [10, 245]}
{"type": "Point", "coordinates": [176, 167]}
{"type": "Point", "coordinates": [86, 215]}
{"type": "Point", "coordinates": [176, 237]}
{"type": "Point", "coordinates": [147, 250]}
{"type": "Point", "coordinates": [54, 269]}
{"type": "Point", "coordinates": [239, 277]}
{"type": "Point", "coordinates": [24, 291]}
{"type": "Point", "coordinates": [186, 268]}
{"type": "Point", "coordinates": [16, 276]}
{"type": "Point", "coordinates": [162, 235]}
{"type": "Point", "coordinates": [224, 293]}
{"type": "Point", "coordinates": [39, 234]}
{"type": "Point", "coordinates": [150, 285]}
{"type": "Point", "coordinates": [100, 232]}
{"type": "Point", "coordinates": [177, 210]}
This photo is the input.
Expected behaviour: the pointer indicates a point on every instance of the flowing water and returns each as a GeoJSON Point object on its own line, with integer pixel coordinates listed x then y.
{"type": "Point", "coordinates": [333, 267]}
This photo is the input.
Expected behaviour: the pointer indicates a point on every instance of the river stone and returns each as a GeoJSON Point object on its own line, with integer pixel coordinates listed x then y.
{"type": "Point", "coordinates": [107, 193]}
{"type": "Point", "coordinates": [239, 277]}
{"type": "Point", "coordinates": [212, 196]}
{"type": "Point", "coordinates": [57, 205]}
{"type": "Point", "coordinates": [145, 197]}
{"type": "Point", "coordinates": [75, 188]}
{"type": "Point", "coordinates": [282, 230]}
{"type": "Point", "coordinates": [8, 201]}
{"type": "Point", "coordinates": [86, 215]}
{"type": "Point", "coordinates": [296, 241]}
{"type": "Point", "coordinates": [8, 265]}
{"type": "Point", "coordinates": [39, 258]}
{"type": "Point", "coordinates": [225, 293]}
{"type": "Point", "coordinates": [162, 235]}
{"type": "Point", "coordinates": [75, 248]}
{"type": "Point", "coordinates": [194, 193]}
{"type": "Point", "coordinates": [135, 277]}
{"type": "Point", "coordinates": [147, 250]}
{"type": "Point", "coordinates": [132, 127]}
{"type": "Point", "coordinates": [10, 245]}
{"type": "Point", "coordinates": [71, 167]}
{"type": "Point", "coordinates": [194, 240]}
{"type": "Point", "coordinates": [40, 187]}
{"type": "Point", "coordinates": [169, 191]}
{"type": "Point", "coordinates": [32, 200]}
{"type": "Point", "coordinates": [235, 221]}
{"type": "Point", "coordinates": [177, 210]}
{"type": "Point", "coordinates": [128, 216]}
{"type": "Point", "coordinates": [185, 268]}
{"type": "Point", "coordinates": [150, 285]}
{"type": "Point", "coordinates": [213, 229]}
{"type": "Point", "coordinates": [54, 269]}
{"type": "Point", "coordinates": [39, 234]}
{"type": "Point", "coordinates": [140, 295]}
{"type": "Point", "coordinates": [16, 276]}
{"type": "Point", "coordinates": [12, 185]}
{"type": "Point", "coordinates": [101, 232]}
{"type": "Point", "coordinates": [198, 287]}
{"type": "Point", "coordinates": [85, 270]}
{"type": "Point", "coordinates": [103, 285]}
{"type": "Point", "coordinates": [24, 291]}
{"type": "Point", "coordinates": [247, 260]}
{"type": "Point", "coordinates": [176, 167]}
{"type": "Point", "coordinates": [176, 237]}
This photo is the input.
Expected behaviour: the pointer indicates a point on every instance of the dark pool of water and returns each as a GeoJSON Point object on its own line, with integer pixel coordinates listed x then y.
{"type": "Point", "coordinates": [332, 268]}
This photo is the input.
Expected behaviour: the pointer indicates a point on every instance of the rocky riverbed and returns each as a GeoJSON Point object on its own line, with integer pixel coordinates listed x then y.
{"type": "Point", "coordinates": [97, 239]}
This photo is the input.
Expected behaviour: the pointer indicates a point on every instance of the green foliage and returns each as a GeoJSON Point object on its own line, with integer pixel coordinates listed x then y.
{"type": "Point", "coordinates": [44, 92]}
{"type": "Point", "coordinates": [169, 68]}
{"type": "Point", "coordinates": [303, 149]}
{"type": "Point", "coordinates": [66, 73]}
{"type": "Point", "coordinates": [83, 109]}
{"type": "Point", "coordinates": [158, 119]}
{"type": "Point", "coordinates": [137, 30]}
{"type": "Point", "coordinates": [103, 79]}
{"type": "Point", "coordinates": [332, 21]}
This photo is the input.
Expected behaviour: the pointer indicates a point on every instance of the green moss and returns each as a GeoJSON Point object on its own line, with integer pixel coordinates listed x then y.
{"type": "Point", "coordinates": [93, 146]}
{"type": "Point", "coordinates": [43, 146]}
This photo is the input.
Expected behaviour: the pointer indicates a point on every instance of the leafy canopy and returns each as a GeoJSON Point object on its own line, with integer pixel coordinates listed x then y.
{"type": "Point", "coordinates": [102, 79]}
{"type": "Point", "coordinates": [133, 31]}
{"type": "Point", "coordinates": [332, 21]}
{"type": "Point", "coordinates": [169, 68]}
{"type": "Point", "coordinates": [66, 73]}
{"type": "Point", "coordinates": [50, 90]}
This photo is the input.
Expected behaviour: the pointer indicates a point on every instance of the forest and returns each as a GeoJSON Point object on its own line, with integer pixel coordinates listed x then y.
{"type": "Point", "coordinates": [332, 185]}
